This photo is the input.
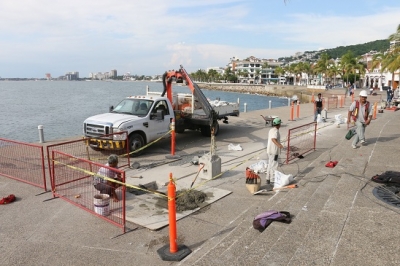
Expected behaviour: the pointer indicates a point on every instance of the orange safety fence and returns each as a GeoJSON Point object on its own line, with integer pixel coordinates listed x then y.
{"type": "Point", "coordinates": [301, 140]}
{"type": "Point", "coordinates": [73, 180]}
{"type": "Point", "coordinates": [23, 162]}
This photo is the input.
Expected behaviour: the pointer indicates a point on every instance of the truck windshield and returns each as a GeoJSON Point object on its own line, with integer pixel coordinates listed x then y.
{"type": "Point", "coordinates": [139, 107]}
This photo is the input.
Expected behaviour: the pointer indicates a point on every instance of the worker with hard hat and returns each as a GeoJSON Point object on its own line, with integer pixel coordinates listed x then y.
{"type": "Point", "coordinates": [360, 112]}
{"type": "Point", "coordinates": [274, 147]}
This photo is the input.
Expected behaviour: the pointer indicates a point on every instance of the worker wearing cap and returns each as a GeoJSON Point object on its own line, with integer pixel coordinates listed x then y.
{"type": "Point", "coordinates": [273, 148]}
{"type": "Point", "coordinates": [360, 111]}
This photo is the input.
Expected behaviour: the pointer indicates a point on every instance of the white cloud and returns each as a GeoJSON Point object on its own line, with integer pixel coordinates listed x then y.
{"type": "Point", "coordinates": [149, 37]}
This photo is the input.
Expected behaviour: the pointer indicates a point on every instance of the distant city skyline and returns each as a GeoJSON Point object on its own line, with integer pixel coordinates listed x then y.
{"type": "Point", "coordinates": [148, 38]}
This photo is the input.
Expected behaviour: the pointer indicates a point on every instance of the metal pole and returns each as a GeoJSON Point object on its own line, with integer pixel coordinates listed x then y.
{"type": "Point", "coordinates": [269, 104]}
{"type": "Point", "coordinates": [245, 107]}
{"type": "Point", "coordinates": [41, 135]}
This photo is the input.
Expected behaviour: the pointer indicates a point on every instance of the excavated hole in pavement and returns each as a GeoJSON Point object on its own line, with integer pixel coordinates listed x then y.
{"type": "Point", "coordinates": [186, 200]}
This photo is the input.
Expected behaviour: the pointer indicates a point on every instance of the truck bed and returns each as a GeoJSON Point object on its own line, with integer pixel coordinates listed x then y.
{"type": "Point", "coordinates": [222, 108]}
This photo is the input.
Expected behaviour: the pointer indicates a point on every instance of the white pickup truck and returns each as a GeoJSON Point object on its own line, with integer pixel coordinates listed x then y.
{"type": "Point", "coordinates": [149, 117]}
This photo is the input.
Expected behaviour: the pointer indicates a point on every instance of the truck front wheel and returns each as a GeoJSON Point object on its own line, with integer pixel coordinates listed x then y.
{"type": "Point", "coordinates": [135, 142]}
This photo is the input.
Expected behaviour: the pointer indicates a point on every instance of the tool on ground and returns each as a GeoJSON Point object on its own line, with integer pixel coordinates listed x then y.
{"type": "Point", "coordinates": [286, 187]}
{"type": "Point", "coordinates": [6, 200]}
{"type": "Point", "coordinates": [194, 180]}
{"type": "Point", "coordinates": [156, 164]}
{"type": "Point", "coordinates": [251, 176]}
{"type": "Point", "coordinates": [136, 177]}
{"type": "Point", "coordinates": [331, 164]}
{"type": "Point", "coordinates": [260, 191]}
{"type": "Point", "coordinates": [152, 190]}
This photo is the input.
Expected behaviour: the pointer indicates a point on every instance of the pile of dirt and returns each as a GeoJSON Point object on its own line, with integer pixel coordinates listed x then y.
{"type": "Point", "coordinates": [189, 199]}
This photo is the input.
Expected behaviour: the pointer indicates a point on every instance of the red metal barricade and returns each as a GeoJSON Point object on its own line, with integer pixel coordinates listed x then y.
{"type": "Point", "coordinates": [23, 162]}
{"type": "Point", "coordinates": [332, 102]}
{"type": "Point", "coordinates": [73, 181]}
{"type": "Point", "coordinates": [301, 140]}
{"type": "Point", "coordinates": [81, 148]}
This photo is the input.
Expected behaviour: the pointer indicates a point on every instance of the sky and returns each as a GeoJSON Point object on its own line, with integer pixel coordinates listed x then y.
{"type": "Point", "coordinates": [153, 36]}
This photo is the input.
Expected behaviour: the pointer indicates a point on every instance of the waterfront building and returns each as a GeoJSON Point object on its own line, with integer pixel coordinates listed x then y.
{"type": "Point", "coordinates": [72, 75]}
{"type": "Point", "coordinates": [253, 70]}
{"type": "Point", "coordinates": [376, 78]}
{"type": "Point", "coordinates": [113, 73]}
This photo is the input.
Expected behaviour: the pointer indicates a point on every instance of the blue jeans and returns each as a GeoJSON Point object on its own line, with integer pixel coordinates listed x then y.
{"type": "Point", "coordinates": [317, 112]}
{"type": "Point", "coordinates": [360, 132]}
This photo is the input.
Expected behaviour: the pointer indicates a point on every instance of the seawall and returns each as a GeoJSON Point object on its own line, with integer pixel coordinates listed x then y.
{"type": "Point", "coordinates": [302, 92]}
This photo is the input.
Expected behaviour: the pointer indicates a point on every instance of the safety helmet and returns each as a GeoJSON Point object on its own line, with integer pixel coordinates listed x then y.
{"type": "Point", "coordinates": [276, 121]}
{"type": "Point", "coordinates": [363, 93]}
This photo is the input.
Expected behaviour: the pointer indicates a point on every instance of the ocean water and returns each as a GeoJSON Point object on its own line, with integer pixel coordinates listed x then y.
{"type": "Point", "coordinates": [62, 106]}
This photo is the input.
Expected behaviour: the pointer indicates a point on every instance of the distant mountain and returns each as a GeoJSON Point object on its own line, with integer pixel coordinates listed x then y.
{"type": "Point", "coordinates": [357, 49]}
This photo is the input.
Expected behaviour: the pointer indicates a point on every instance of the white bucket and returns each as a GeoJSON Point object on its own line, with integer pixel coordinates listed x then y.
{"type": "Point", "coordinates": [102, 204]}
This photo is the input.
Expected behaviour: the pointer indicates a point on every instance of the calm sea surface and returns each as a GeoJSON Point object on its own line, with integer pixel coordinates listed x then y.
{"type": "Point", "coordinates": [62, 106]}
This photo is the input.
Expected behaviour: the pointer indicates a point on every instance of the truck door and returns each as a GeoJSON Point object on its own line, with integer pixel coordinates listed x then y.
{"type": "Point", "coordinates": [158, 126]}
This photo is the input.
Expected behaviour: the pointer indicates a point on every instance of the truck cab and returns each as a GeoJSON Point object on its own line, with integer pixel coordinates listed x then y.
{"type": "Point", "coordinates": [144, 118]}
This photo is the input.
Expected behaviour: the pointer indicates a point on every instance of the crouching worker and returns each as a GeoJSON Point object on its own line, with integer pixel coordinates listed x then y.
{"type": "Point", "coordinates": [273, 148]}
{"type": "Point", "coordinates": [105, 186]}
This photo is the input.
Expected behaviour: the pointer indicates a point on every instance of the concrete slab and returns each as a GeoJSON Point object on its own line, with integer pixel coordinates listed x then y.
{"type": "Point", "coordinates": [151, 210]}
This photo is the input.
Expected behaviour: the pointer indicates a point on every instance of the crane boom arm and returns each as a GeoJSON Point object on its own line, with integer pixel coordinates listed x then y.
{"type": "Point", "coordinates": [181, 75]}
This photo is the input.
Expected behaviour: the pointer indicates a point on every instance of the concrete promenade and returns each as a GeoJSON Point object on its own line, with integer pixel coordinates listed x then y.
{"type": "Point", "coordinates": [336, 218]}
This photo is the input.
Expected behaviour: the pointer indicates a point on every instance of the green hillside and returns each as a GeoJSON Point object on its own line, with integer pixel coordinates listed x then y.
{"type": "Point", "coordinates": [359, 49]}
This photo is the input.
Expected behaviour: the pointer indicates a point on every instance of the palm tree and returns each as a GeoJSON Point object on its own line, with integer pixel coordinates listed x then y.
{"type": "Point", "coordinates": [395, 36]}
{"type": "Point", "coordinates": [333, 71]}
{"type": "Point", "coordinates": [308, 70]}
{"type": "Point", "coordinates": [257, 77]}
{"type": "Point", "coordinates": [322, 65]}
{"type": "Point", "coordinates": [239, 73]}
{"type": "Point", "coordinates": [376, 63]}
{"type": "Point", "coordinates": [391, 62]}
{"type": "Point", "coordinates": [212, 74]}
{"type": "Point", "coordinates": [245, 73]}
{"type": "Point", "coordinates": [279, 71]}
{"type": "Point", "coordinates": [265, 65]}
{"type": "Point", "coordinates": [348, 63]}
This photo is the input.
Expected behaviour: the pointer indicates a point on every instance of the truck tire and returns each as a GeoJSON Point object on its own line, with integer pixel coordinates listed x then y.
{"type": "Point", "coordinates": [206, 130]}
{"type": "Point", "coordinates": [135, 142]}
